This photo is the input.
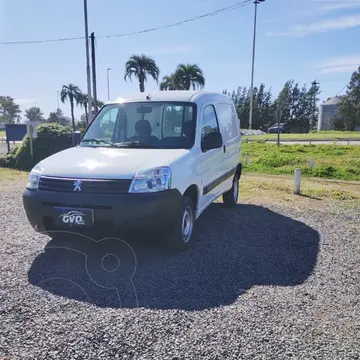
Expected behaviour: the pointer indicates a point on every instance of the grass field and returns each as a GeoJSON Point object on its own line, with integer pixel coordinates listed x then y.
{"type": "Point", "coordinates": [2, 133]}
{"type": "Point", "coordinates": [315, 136]}
{"type": "Point", "coordinates": [331, 161]}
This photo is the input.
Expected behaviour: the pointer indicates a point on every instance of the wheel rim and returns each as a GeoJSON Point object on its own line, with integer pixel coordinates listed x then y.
{"type": "Point", "coordinates": [187, 224]}
{"type": "Point", "coordinates": [236, 190]}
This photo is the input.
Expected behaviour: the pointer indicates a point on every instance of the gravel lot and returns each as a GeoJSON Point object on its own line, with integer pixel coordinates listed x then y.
{"type": "Point", "coordinates": [263, 281]}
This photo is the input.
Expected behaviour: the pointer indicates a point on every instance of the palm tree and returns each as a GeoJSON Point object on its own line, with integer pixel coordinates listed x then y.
{"type": "Point", "coordinates": [170, 83]}
{"type": "Point", "coordinates": [83, 102]}
{"type": "Point", "coordinates": [141, 66]}
{"type": "Point", "coordinates": [72, 93]}
{"type": "Point", "coordinates": [189, 75]}
{"type": "Point", "coordinates": [100, 104]}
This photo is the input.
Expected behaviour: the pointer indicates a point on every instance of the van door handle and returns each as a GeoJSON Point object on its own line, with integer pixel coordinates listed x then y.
{"type": "Point", "coordinates": [224, 147]}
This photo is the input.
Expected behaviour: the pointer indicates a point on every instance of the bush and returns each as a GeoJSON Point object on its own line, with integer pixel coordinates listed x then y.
{"type": "Point", "coordinates": [51, 138]}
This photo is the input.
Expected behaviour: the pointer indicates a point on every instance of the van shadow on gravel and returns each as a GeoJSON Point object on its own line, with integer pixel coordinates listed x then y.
{"type": "Point", "coordinates": [234, 249]}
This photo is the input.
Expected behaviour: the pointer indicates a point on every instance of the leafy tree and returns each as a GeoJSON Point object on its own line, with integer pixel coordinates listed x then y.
{"type": "Point", "coordinates": [9, 110]}
{"type": "Point", "coordinates": [59, 118]}
{"type": "Point", "coordinates": [189, 75]}
{"type": "Point", "coordinates": [297, 104]}
{"type": "Point", "coordinates": [71, 93]}
{"type": "Point", "coordinates": [82, 123]}
{"type": "Point", "coordinates": [83, 101]}
{"type": "Point", "coordinates": [170, 83]}
{"type": "Point", "coordinates": [34, 114]}
{"type": "Point", "coordinates": [337, 121]}
{"type": "Point", "coordinates": [100, 104]}
{"type": "Point", "coordinates": [141, 66]}
{"type": "Point", "coordinates": [349, 106]}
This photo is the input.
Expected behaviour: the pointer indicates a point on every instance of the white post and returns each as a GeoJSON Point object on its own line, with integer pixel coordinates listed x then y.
{"type": "Point", "coordinates": [247, 159]}
{"type": "Point", "coordinates": [297, 181]}
{"type": "Point", "coordinates": [312, 163]}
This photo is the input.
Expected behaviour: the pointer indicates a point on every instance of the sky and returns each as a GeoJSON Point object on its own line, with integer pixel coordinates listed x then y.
{"type": "Point", "coordinates": [296, 39]}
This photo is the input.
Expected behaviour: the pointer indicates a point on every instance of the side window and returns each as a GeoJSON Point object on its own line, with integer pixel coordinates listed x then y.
{"type": "Point", "coordinates": [209, 121]}
{"type": "Point", "coordinates": [228, 121]}
{"type": "Point", "coordinates": [105, 126]}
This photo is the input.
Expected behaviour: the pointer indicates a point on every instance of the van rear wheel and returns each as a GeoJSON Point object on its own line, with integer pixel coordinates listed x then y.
{"type": "Point", "coordinates": [180, 236]}
{"type": "Point", "coordinates": [230, 198]}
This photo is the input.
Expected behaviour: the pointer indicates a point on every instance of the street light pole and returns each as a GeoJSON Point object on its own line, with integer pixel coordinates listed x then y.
{"type": "Point", "coordinates": [108, 83]}
{"type": "Point", "coordinates": [88, 75]}
{"type": "Point", "coordinates": [256, 2]}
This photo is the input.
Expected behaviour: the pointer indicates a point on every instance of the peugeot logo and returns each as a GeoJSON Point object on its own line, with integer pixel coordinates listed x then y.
{"type": "Point", "coordinates": [77, 185]}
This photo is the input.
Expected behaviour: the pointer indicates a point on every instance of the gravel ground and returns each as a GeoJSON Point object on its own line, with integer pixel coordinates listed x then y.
{"type": "Point", "coordinates": [262, 281]}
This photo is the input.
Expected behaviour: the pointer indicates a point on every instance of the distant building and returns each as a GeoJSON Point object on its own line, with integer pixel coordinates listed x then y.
{"type": "Point", "coordinates": [327, 112]}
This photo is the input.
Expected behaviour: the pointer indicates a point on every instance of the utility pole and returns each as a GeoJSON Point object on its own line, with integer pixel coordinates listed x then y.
{"type": "Point", "coordinates": [256, 2]}
{"type": "Point", "coordinates": [88, 75]}
{"type": "Point", "coordinates": [94, 71]}
{"type": "Point", "coordinates": [108, 82]}
{"type": "Point", "coordinates": [314, 84]}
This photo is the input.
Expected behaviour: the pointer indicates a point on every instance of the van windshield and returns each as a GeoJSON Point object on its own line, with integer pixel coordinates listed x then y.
{"type": "Point", "coordinates": [166, 125]}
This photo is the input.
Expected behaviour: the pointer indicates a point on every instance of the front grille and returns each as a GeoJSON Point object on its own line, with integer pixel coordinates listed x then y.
{"type": "Point", "coordinates": [87, 186]}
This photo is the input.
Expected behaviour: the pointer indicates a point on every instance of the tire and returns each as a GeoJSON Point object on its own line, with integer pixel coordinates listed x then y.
{"type": "Point", "coordinates": [180, 236]}
{"type": "Point", "coordinates": [230, 198]}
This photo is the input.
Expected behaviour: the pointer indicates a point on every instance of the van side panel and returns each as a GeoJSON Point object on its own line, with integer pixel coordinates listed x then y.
{"type": "Point", "coordinates": [230, 130]}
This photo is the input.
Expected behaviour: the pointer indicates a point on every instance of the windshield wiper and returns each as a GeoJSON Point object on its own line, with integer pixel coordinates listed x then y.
{"type": "Point", "coordinates": [134, 144]}
{"type": "Point", "coordinates": [97, 141]}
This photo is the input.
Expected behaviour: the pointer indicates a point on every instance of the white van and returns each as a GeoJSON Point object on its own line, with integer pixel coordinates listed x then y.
{"type": "Point", "coordinates": [155, 161]}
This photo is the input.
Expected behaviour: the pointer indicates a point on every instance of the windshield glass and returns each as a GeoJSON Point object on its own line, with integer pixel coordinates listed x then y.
{"type": "Point", "coordinates": [169, 125]}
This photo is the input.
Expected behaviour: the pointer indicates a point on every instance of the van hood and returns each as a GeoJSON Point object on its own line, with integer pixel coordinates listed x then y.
{"type": "Point", "coordinates": [111, 163]}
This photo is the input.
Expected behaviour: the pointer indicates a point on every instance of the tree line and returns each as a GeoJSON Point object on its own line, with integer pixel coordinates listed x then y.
{"type": "Point", "coordinates": [10, 112]}
{"type": "Point", "coordinates": [297, 104]}
{"type": "Point", "coordinates": [347, 116]}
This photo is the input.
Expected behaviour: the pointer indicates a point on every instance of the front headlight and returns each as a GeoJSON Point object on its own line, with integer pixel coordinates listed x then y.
{"type": "Point", "coordinates": [152, 180]}
{"type": "Point", "coordinates": [34, 177]}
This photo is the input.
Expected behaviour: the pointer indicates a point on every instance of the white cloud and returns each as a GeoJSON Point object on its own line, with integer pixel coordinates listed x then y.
{"type": "Point", "coordinates": [333, 5]}
{"type": "Point", "coordinates": [345, 22]}
{"type": "Point", "coordinates": [346, 64]}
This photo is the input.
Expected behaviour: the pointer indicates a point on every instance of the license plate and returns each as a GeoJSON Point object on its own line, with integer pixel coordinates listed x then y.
{"type": "Point", "coordinates": [70, 217]}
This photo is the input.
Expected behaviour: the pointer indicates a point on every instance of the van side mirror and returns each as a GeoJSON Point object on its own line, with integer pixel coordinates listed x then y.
{"type": "Point", "coordinates": [212, 140]}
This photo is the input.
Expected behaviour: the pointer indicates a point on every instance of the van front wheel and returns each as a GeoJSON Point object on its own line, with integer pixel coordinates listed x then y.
{"type": "Point", "coordinates": [180, 236]}
{"type": "Point", "coordinates": [230, 198]}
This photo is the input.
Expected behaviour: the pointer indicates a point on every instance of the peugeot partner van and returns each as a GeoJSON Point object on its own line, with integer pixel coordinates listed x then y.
{"type": "Point", "coordinates": [144, 162]}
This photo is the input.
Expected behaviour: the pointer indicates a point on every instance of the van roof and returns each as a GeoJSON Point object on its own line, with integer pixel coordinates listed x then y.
{"type": "Point", "coordinates": [173, 95]}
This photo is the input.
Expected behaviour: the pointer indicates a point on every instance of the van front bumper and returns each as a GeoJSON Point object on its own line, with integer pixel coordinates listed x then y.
{"type": "Point", "coordinates": [123, 211]}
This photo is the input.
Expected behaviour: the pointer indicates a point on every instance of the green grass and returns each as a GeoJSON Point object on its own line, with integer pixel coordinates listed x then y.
{"type": "Point", "coordinates": [11, 174]}
{"type": "Point", "coordinates": [2, 133]}
{"type": "Point", "coordinates": [316, 135]}
{"type": "Point", "coordinates": [331, 161]}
